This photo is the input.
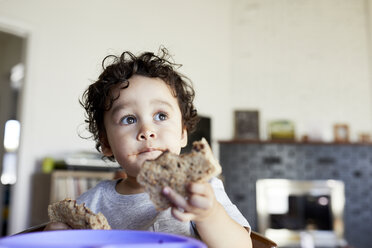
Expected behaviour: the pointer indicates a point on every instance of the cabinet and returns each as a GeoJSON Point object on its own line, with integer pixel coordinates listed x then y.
{"type": "Point", "coordinates": [58, 185]}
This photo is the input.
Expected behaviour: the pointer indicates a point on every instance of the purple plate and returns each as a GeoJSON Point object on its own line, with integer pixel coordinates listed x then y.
{"type": "Point", "coordinates": [99, 239]}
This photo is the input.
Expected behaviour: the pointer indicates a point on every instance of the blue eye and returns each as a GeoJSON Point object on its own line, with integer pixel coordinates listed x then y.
{"type": "Point", "coordinates": [161, 116]}
{"type": "Point", "coordinates": [127, 120]}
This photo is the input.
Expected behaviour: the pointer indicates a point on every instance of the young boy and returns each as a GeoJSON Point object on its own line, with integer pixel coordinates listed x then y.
{"type": "Point", "coordinates": [138, 108]}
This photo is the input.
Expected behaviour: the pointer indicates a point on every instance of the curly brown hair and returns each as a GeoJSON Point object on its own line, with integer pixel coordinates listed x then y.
{"type": "Point", "coordinates": [99, 97]}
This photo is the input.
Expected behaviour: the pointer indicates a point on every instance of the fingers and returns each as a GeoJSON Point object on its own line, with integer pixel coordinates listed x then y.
{"type": "Point", "coordinates": [181, 215]}
{"type": "Point", "coordinates": [197, 206]}
{"type": "Point", "coordinates": [180, 205]}
{"type": "Point", "coordinates": [175, 198]}
{"type": "Point", "coordinates": [198, 188]}
{"type": "Point", "coordinates": [201, 202]}
{"type": "Point", "coordinates": [202, 195]}
{"type": "Point", "coordinates": [56, 226]}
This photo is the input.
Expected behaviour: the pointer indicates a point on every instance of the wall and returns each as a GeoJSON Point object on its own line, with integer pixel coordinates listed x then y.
{"type": "Point", "coordinates": [67, 41]}
{"type": "Point", "coordinates": [306, 61]}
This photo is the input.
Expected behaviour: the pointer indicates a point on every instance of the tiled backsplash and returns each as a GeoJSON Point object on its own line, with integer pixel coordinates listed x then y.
{"type": "Point", "coordinates": [244, 163]}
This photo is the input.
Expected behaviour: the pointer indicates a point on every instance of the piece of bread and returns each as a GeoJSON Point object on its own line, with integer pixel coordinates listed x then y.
{"type": "Point", "coordinates": [76, 216]}
{"type": "Point", "coordinates": [176, 171]}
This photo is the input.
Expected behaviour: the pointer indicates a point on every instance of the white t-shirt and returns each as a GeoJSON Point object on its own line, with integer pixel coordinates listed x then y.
{"type": "Point", "coordinates": [136, 212]}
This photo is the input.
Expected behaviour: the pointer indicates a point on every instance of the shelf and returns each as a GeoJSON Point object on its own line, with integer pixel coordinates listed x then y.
{"type": "Point", "coordinates": [58, 185]}
{"type": "Point", "coordinates": [290, 142]}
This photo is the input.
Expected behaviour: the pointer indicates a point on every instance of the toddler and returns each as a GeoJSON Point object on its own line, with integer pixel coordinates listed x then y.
{"type": "Point", "coordinates": [139, 107]}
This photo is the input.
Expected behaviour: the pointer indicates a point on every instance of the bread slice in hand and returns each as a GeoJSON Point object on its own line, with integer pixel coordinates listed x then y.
{"type": "Point", "coordinates": [76, 216]}
{"type": "Point", "coordinates": [177, 171]}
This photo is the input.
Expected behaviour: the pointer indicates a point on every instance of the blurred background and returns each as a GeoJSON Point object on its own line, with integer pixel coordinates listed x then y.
{"type": "Point", "coordinates": [307, 61]}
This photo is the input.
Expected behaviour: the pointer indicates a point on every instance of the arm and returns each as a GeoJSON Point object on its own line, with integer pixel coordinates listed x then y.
{"type": "Point", "coordinates": [214, 225]}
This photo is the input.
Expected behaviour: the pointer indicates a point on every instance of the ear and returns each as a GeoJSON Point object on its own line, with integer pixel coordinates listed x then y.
{"type": "Point", "coordinates": [184, 137]}
{"type": "Point", "coordinates": [105, 146]}
{"type": "Point", "coordinates": [106, 150]}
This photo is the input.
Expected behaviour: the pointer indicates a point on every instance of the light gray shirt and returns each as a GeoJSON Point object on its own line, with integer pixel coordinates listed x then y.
{"type": "Point", "coordinates": [136, 212]}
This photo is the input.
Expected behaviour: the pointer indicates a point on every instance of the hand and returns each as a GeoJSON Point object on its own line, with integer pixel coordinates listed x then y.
{"type": "Point", "coordinates": [199, 206]}
{"type": "Point", "coordinates": [53, 226]}
{"type": "Point", "coordinates": [215, 227]}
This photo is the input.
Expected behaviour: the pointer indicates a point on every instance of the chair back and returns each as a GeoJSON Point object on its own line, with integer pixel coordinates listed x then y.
{"type": "Point", "coordinates": [260, 241]}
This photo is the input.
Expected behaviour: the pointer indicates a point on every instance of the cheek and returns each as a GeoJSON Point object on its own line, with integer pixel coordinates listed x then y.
{"type": "Point", "coordinates": [173, 141]}
{"type": "Point", "coordinates": [171, 133]}
{"type": "Point", "coordinates": [119, 145]}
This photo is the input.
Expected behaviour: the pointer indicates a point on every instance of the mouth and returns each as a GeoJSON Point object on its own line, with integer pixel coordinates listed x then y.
{"type": "Point", "coordinates": [149, 153]}
{"type": "Point", "coordinates": [149, 150]}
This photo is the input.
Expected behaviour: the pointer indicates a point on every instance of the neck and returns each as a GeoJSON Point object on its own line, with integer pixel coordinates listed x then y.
{"type": "Point", "coordinates": [129, 186]}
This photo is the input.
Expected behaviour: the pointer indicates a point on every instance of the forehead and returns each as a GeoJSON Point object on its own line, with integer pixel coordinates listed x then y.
{"type": "Point", "coordinates": [142, 88]}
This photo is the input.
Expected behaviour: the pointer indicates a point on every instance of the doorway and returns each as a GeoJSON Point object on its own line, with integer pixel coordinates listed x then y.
{"type": "Point", "coordinates": [12, 51]}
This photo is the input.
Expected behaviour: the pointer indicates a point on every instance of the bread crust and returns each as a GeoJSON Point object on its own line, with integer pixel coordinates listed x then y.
{"type": "Point", "coordinates": [76, 216]}
{"type": "Point", "coordinates": [177, 171]}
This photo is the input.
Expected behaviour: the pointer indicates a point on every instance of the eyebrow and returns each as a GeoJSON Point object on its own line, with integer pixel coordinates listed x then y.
{"type": "Point", "coordinates": [158, 101]}
{"type": "Point", "coordinates": [155, 101]}
{"type": "Point", "coordinates": [117, 108]}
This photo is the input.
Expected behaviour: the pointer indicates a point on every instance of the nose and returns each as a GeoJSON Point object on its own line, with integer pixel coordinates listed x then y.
{"type": "Point", "coordinates": [146, 133]}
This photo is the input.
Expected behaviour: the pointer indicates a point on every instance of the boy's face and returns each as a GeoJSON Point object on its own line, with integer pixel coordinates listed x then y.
{"type": "Point", "coordinates": [143, 122]}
